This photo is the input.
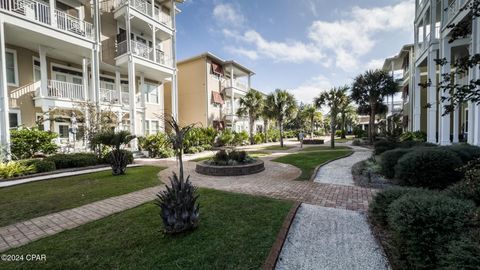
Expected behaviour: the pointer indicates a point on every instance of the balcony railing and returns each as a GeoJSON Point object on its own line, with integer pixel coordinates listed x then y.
{"type": "Point", "coordinates": [40, 12]}
{"type": "Point", "coordinates": [452, 10]}
{"type": "Point", "coordinates": [109, 96]}
{"type": "Point", "coordinates": [144, 51]}
{"type": "Point", "coordinates": [145, 7]}
{"type": "Point", "coordinates": [65, 90]}
{"type": "Point", "coordinates": [237, 84]}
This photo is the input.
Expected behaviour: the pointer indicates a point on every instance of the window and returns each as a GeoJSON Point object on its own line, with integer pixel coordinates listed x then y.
{"type": "Point", "coordinates": [151, 93]}
{"type": "Point", "coordinates": [14, 118]}
{"type": "Point", "coordinates": [11, 63]}
{"type": "Point", "coordinates": [63, 131]}
{"type": "Point", "coordinates": [154, 127]}
{"type": "Point", "coordinates": [37, 76]}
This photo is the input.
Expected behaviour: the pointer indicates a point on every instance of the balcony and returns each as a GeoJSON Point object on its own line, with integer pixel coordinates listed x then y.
{"type": "Point", "coordinates": [452, 10]}
{"type": "Point", "coordinates": [144, 51]}
{"type": "Point", "coordinates": [109, 96]}
{"type": "Point", "coordinates": [145, 7]}
{"type": "Point", "coordinates": [39, 12]}
{"type": "Point", "coordinates": [239, 85]}
{"type": "Point", "coordinates": [65, 90]}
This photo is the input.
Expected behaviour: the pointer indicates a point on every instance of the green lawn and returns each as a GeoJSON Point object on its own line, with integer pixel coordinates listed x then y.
{"type": "Point", "coordinates": [236, 232]}
{"type": "Point", "coordinates": [253, 154]}
{"type": "Point", "coordinates": [323, 148]}
{"type": "Point", "coordinates": [36, 199]}
{"type": "Point", "coordinates": [340, 140]}
{"type": "Point", "coordinates": [308, 161]}
{"type": "Point", "coordinates": [277, 147]}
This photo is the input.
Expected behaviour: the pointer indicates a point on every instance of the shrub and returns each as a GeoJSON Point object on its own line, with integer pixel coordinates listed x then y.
{"type": "Point", "coordinates": [384, 145]}
{"type": "Point", "coordinates": [199, 136]}
{"type": "Point", "coordinates": [378, 208]}
{"type": "Point", "coordinates": [223, 158]}
{"type": "Point", "coordinates": [273, 135]}
{"type": "Point", "coordinates": [127, 154]}
{"type": "Point", "coordinates": [15, 168]}
{"type": "Point", "coordinates": [258, 138]}
{"type": "Point", "coordinates": [469, 187]}
{"type": "Point", "coordinates": [421, 225]}
{"type": "Point", "coordinates": [414, 136]}
{"type": "Point", "coordinates": [76, 160]}
{"type": "Point", "coordinates": [465, 152]}
{"type": "Point", "coordinates": [226, 137]}
{"type": "Point", "coordinates": [157, 145]}
{"type": "Point", "coordinates": [428, 167]}
{"type": "Point", "coordinates": [461, 254]}
{"type": "Point", "coordinates": [359, 132]}
{"type": "Point", "coordinates": [28, 141]}
{"type": "Point", "coordinates": [179, 209]}
{"type": "Point", "coordinates": [389, 159]}
{"type": "Point", "coordinates": [240, 138]}
{"type": "Point", "coordinates": [411, 144]}
{"type": "Point", "coordinates": [40, 165]}
{"type": "Point", "coordinates": [116, 140]}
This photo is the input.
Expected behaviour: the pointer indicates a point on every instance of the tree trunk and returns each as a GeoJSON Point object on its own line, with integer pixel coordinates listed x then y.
{"type": "Point", "coordinates": [332, 131]}
{"type": "Point", "coordinates": [251, 122]}
{"type": "Point", "coordinates": [344, 128]}
{"type": "Point", "coordinates": [371, 124]}
{"type": "Point", "coordinates": [265, 129]}
{"type": "Point", "coordinates": [180, 160]}
{"type": "Point", "coordinates": [311, 130]}
{"type": "Point", "coordinates": [280, 125]}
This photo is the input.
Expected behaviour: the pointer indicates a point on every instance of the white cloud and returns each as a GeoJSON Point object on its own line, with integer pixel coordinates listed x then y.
{"type": "Point", "coordinates": [228, 14]}
{"type": "Point", "coordinates": [375, 63]}
{"type": "Point", "coordinates": [245, 52]}
{"type": "Point", "coordinates": [307, 91]}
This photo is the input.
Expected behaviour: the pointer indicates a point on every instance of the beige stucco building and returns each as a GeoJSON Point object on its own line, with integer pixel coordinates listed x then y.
{"type": "Point", "coordinates": [209, 90]}
{"type": "Point", "coordinates": [61, 55]}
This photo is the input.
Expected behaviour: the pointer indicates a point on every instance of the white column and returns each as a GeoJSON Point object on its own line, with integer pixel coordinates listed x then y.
{"type": "Point", "coordinates": [174, 63]}
{"type": "Point", "coordinates": [456, 118]}
{"type": "Point", "coordinates": [444, 129]}
{"type": "Point", "coordinates": [133, 104]}
{"type": "Point", "coordinates": [85, 78]}
{"type": "Point", "coordinates": [53, 19]}
{"type": "Point", "coordinates": [475, 112]}
{"type": "Point", "coordinates": [416, 100]}
{"type": "Point", "coordinates": [154, 42]}
{"type": "Point", "coordinates": [46, 118]}
{"type": "Point", "coordinates": [118, 85]}
{"type": "Point", "coordinates": [432, 98]}
{"type": "Point", "coordinates": [232, 84]}
{"type": "Point", "coordinates": [42, 51]}
{"type": "Point", "coordinates": [249, 85]}
{"type": "Point", "coordinates": [153, 8]}
{"type": "Point", "coordinates": [4, 117]}
{"type": "Point", "coordinates": [142, 99]}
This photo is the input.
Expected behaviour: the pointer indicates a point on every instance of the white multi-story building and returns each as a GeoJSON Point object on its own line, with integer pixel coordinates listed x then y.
{"type": "Point", "coordinates": [432, 42]}
{"type": "Point", "coordinates": [58, 55]}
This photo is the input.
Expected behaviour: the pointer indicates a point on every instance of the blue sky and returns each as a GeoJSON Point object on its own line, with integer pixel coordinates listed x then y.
{"type": "Point", "coordinates": [304, 46]}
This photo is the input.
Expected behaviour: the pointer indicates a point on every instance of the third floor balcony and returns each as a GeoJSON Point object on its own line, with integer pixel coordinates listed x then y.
{"type": "Point", "coordinates": [453, 9]}
{"type": "Point", "coordinates": [149, 8]}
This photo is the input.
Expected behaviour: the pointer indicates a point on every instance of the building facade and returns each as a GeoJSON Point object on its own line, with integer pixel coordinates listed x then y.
{"type": "Point", "coordinates": [61, 56]}
{"type": "Point", "coordinates": [210, 90]}
{"type": "Point", "coordinates": [432, 36]}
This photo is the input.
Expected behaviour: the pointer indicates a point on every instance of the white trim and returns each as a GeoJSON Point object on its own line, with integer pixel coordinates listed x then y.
{"type": "Point", "coordinates": [52, 64]}
{"type": "Point", "coordinates": [15, 67]}
{"type": "Point", "coordinates": [34, 58]}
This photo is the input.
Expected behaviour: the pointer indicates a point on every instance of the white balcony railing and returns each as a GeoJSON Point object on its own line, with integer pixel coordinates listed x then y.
{"type": "Point", "coordinates": [65, 90]}
{"type": "Point", "coordinates": [109, 96]}
{"type": "Point", "coordinates": [40, 12]}
{"type": "Point", "coordinates": [237, 84]}
{"type": "Point", "coordinates": [145, 7]}
{"type": "Point", "coordinates": [452, 10]}
{"type": "Point", "coordinates": [144, 51]}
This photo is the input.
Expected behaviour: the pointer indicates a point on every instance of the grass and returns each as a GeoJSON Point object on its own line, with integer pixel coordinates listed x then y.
{"type": "Point", "coordinates": [277, 147]}
{"type": "Point", "coordinates": [236, 232]}
{"type": "Point", "coordinates": [36, 199]}
{"type": "Point", "coordinates": [253, 154]}
{"type": "Point", "coordinates": [308, 161]}
{"type": "Point", "coordinates": [340, 140]}
{"type": "Point", "coordinates": [323, 148]}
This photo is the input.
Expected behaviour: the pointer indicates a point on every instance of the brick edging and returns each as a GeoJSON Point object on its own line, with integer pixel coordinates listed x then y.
{"type": "Point", "coordinates": [274, 254]}
{"type": "Point", "coordinates": [326, 162]}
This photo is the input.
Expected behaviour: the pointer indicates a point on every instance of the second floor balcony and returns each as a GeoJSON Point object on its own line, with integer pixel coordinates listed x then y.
{"type": "Point", "coordinates": [146, 8]}
{"type": "Point", "coordinates": [40, 12]}
{"type": "Point", "coordinates": [144, 51]}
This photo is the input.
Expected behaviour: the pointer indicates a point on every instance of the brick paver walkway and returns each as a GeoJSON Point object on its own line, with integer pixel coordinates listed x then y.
{"type": "Point", "coordinates": [277, 181]}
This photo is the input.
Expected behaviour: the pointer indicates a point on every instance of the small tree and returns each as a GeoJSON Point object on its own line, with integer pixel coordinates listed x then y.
{"type": "Point", "coordinates": [281, 105]}
{"type": "Point", "coordinates": [251, 105]}
{"type": "Point", "coordinates": [332, 99]}
{"type": "Point", "coordinates": [369, 89]}
{"type": "Point", "coordinates": [311, 114]}
{"type": "Point", "coordinates": [118, 156]}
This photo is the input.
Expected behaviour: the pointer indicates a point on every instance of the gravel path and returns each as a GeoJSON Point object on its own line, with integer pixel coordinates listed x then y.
{"type": "Point", "coordinates": [329, 238]}
{"type": "Point", "coordinates": [339, 172]}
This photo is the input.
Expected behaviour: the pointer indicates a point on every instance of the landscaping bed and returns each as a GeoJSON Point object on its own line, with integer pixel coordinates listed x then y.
{"type": "Point", "coordinates": [36, 199]}
{"type": "Point", "coordinates": [313, 141]}
{"type": "Point", "coordinates": [234, 170]}
{"type": "Point", "coordinates": [236, 231]}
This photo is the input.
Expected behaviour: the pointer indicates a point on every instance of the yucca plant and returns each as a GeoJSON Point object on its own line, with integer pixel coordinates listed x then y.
{"type": "Point", "coordinates": [178, 205]}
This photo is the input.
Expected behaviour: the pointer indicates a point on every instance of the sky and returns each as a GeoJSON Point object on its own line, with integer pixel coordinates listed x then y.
{"type": "Point", "coordinates": [303, 46]}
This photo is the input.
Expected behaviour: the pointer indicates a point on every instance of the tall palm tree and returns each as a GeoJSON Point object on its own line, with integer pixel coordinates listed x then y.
{"type": "Point", "coordinates": [282, 105]}
{"type": "Point", "coordinates": [311, 114]}
{"type": "Point", "coordinates": [369, 90]}
{"type": "Point", "coordinates": [346, 109]}
{"type": "Point", "coordinates": [251, 105]}
{"type": "Point", "coordinates": [332, 99]}
{"type": "Point", "coordinates": [266, 116]}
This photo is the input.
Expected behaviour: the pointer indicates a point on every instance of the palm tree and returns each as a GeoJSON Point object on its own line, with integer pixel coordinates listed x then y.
{"type": "Point", "coordinates": [116, 140]}
{"type": "Point", "coordinates": [369, 90]}
{"type": "Point", "coordinates": [266, 116]}
{"type": "Point", "coordinates": [311, 114]}
{"type": "Point", "coordinates": [281, 105]}
{"type": "Point", "coordinates": [346, 109]}
{"type": "Point", "coordinates": [251, 105]}
{"type": "Point", "coordinates": [332, 99]}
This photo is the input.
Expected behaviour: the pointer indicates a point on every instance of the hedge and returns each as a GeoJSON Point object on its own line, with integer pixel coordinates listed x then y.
{"type": "Point", "coordinates": [64, 161]}
{"type": "Point", "coordinates": [389, 159]}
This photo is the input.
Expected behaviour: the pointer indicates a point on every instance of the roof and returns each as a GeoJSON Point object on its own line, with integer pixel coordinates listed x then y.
{"type": "Point", "coordinates": [218, 59]}
{"type": "Point", "coordinates": [397, 60]}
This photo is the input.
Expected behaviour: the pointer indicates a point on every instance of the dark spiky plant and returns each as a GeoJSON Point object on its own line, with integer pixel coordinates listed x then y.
{"type": "Point", "coordinates": [116, 140]}
{"type": "Point", "coordinates": [178, 203]}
